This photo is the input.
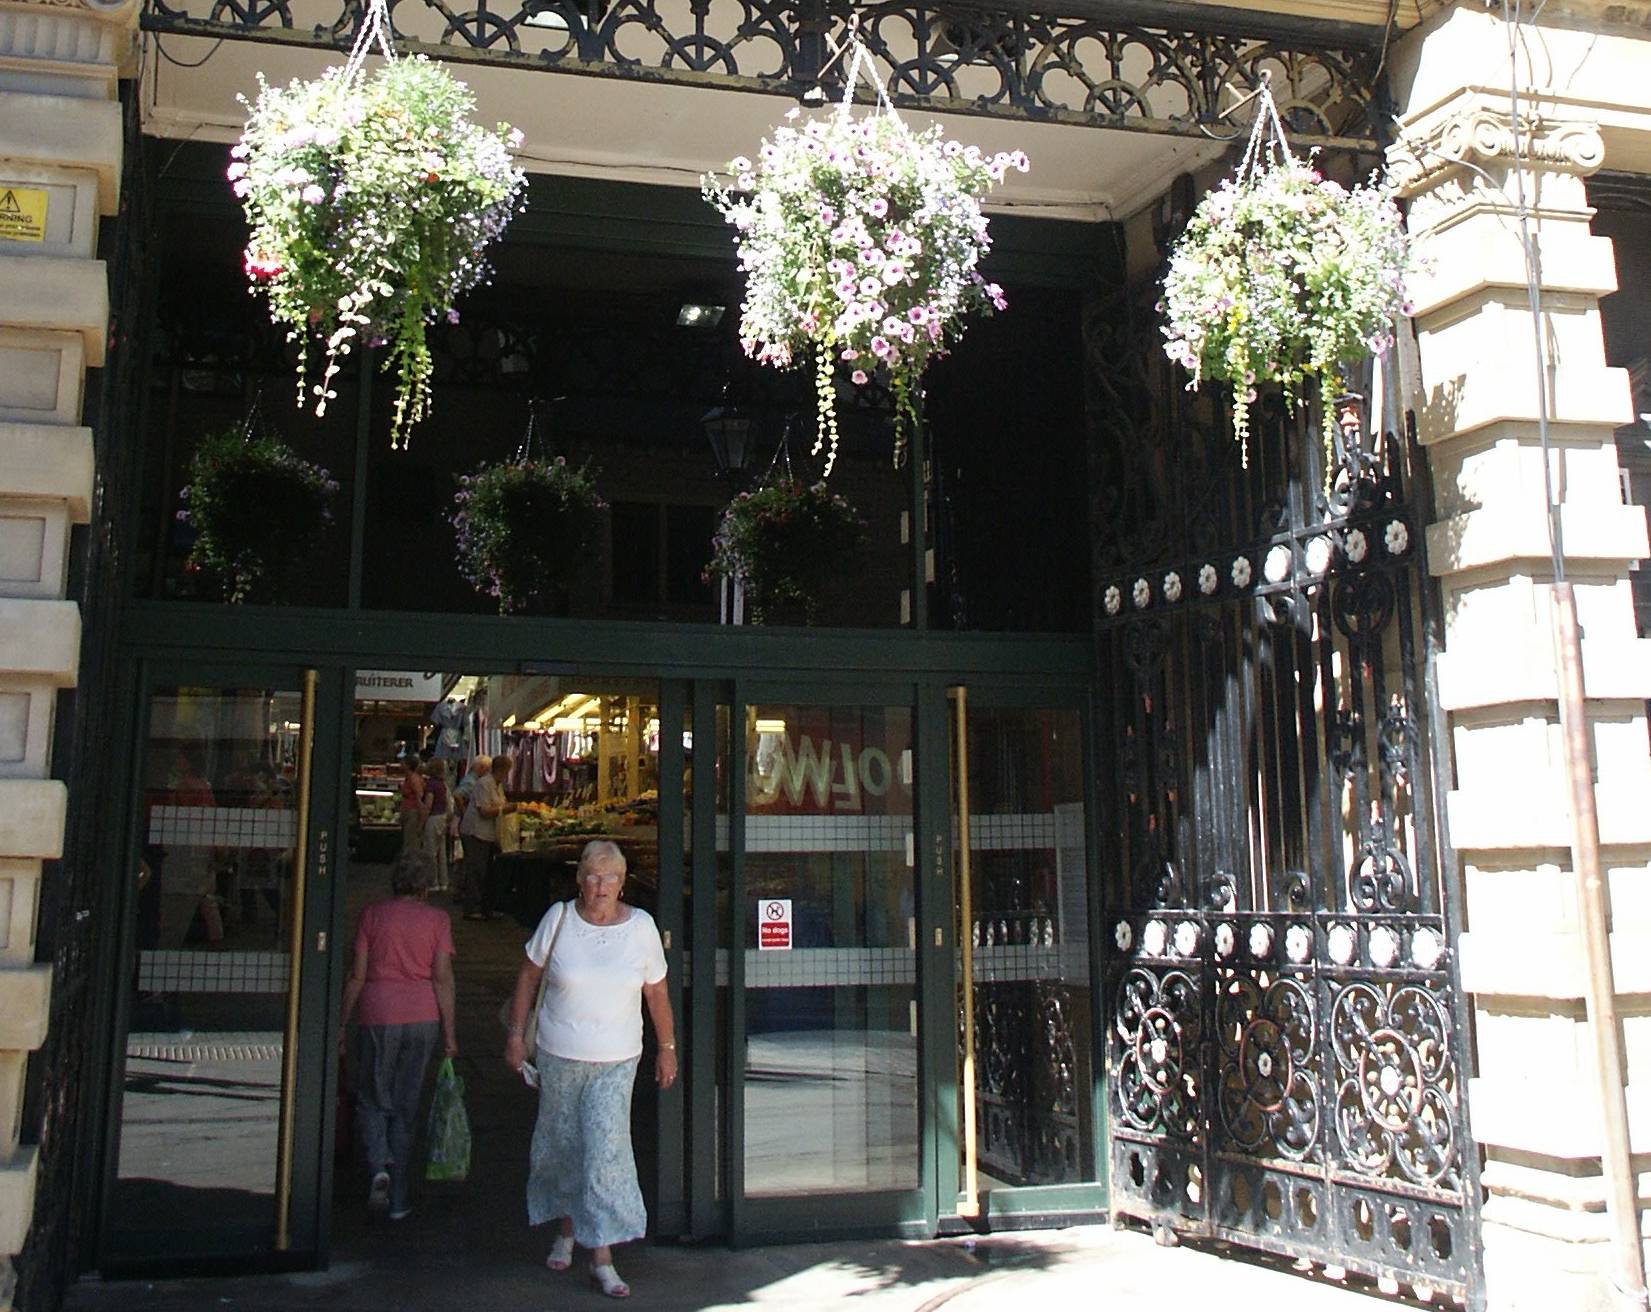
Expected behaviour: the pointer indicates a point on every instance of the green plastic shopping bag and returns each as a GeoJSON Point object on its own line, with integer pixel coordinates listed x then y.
{"type": "Point", "coordinates": [449, 1136]}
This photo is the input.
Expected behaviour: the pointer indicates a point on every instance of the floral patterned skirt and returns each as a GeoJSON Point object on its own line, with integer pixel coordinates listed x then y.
{"type": "Point", "coordinates": [581, 1163]}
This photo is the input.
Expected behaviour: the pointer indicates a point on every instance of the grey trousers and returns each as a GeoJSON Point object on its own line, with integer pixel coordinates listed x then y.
{"type": "Point", "coordinates": [391, 1061]}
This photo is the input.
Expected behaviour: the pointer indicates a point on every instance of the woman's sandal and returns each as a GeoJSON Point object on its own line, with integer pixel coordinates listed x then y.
{"type": "Point", "coordinates": [561, 1253]}
{"type": "Point", "coordinates": [607, 1280]}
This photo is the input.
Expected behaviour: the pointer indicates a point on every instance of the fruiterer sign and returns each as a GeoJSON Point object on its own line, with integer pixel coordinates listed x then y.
{"type": "Point", "coordinates": [774, 924]}
{"type": "Point", "coordinates": [22, 214]}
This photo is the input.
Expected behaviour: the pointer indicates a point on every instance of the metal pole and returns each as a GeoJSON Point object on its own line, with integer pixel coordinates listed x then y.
{"type": "Point", "coordinates": [1616, 1155]}
{"type": "Point", "coordinates": [295, 955]}
{"type": "Point", "coordinates": [969, 1205]}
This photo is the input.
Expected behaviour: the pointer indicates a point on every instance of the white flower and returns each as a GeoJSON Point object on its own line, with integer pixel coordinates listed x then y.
{"type": "Point", "coordinates": [1298, 943]}
{"type": "Point", "coordinates": [1186, 938]}
{"type": "Point", "coordinates": [1318, 555]}
{"type": "Point", "coordinates": [304, 148]}
{"type": "Point", "coordinates": [1172, 587]}
{"type": "Point", "coordinates": [1342, 944]}
{"type": "Point", "coordinates": [1225, 940]}
{"type": "Point", "coordinates": [1141, 594]}
{"type": "Point", "coordinates": [1112, 600]}
{"type": "Point", "coordinates": [1384, 946]}
{"type": "Point", "coordinates": [1155, 938]}
{"type": "Point", "coordinates": [1426, 948]}
{"type": "Point", "coordinates": [1358, 546]}
{"type": "Point", "coordinates": [1124, 935]}
{"type": "Point", "coordinates": [1281, 266]}
{"type": "Point", "coordinates": [1276, 568]}
{"type": "Point", "coordinates": [1261, 940]}
{"type": "Point", "coordinates": [1242, 572]}
{"type": "Point", "coordinates": [1207, 579]}
{"type": "Point", "coordinates": [1397, 537]}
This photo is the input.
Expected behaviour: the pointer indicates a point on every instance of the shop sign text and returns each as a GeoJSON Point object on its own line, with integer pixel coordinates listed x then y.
{"type": "Point", "coordinates": [830, 776]}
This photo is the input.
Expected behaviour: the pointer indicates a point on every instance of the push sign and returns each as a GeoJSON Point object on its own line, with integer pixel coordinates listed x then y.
{"type": "Point", "coordinates": [774, 924]}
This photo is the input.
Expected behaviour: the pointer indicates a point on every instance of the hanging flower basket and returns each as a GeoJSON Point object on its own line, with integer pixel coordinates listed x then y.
{"type": "Point", "coordinates": [370, 203]}
{"type": "Point", "coordinates": [860, 240]}
{"type": "Point", "coordinates": [254, 506]}
{"type": "Point", "coordinates": [787, 543]}
{"type": "Point", "coordinates": [525, 528]}
{"type": "Point", "coordinates": [1283, 274]}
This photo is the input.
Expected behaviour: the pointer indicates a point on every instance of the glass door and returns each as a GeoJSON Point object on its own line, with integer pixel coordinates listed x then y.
{"type": "Point", "coordinates": [826, 1124]}
{"type": "Point", "coordinates": [1027, 1133]}
{"type": "Point", "coordinates": [215, 1118]}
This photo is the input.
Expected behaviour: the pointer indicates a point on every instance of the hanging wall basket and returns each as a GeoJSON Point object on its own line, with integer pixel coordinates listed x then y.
{"type": "Point", "coordinates": [787, 543]}
{"type": "Point", "coordinates": [371, 202]}
{"type": "Point", "coordinates": [255, 509]}
{"type": "Point", "coordinates": [1282, 274]}
{"type": "Point", "coordinates": [526, 527]}
{"type": "Point", "coordinates": [860, 239]}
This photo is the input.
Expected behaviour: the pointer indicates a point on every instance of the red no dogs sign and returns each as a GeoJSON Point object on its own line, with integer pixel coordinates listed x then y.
{"type": "Point", "coordinates": [774, 924]}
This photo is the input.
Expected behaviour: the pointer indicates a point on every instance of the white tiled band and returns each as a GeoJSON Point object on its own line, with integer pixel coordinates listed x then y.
{"type": "Point", "coordinates": [258, 828]}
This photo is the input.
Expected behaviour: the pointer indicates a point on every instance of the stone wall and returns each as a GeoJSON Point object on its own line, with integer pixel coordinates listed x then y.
{"type": "Point", "coordinates": [1585, 102]}
{"type": "Point", "coordinates": [60, 161]}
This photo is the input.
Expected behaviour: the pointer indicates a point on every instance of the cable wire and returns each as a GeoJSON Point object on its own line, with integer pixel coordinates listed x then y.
{"type": "Point", "coordinates": [1556, 530]}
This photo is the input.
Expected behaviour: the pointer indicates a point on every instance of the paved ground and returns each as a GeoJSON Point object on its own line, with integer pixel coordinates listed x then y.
{"type": "Point", "coordinates": [1090, 1267]}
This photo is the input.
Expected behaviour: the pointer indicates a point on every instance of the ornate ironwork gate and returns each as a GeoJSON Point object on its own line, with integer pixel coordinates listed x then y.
{"type": "Point", "coordinates": [1286, 1043]}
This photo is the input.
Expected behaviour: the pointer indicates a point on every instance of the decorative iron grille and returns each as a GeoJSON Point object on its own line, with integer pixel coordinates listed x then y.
{"type": "Point", "coordinates": [1286, 1047]}
{"type": "Point", "coordinates": [1132, 73]}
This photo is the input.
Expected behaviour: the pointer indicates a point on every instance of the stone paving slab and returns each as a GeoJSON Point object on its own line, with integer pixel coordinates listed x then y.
{"type": "Point", "coordinates": [1091, 1267]}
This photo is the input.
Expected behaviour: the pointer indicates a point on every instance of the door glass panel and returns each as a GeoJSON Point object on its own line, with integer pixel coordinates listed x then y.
{"type": "Point", "coordinates": [201, 1093]}
{"type": "Point", "coordinates": [831, 1002]}
{"type": "Point", "coordinates": [1029, 932]}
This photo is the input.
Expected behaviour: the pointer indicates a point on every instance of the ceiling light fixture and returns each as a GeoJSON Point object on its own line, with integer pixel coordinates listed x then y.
{"type": "Point", "coordinates": [696, 314]}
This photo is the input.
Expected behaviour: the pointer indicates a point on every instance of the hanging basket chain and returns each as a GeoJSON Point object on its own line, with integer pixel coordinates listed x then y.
{"type": "Point", "coordinates": [524, 452]}
{"type": "Point", "coordinates": [1268, 144]}
{"type": "Point", "coordinates": [377, 34]}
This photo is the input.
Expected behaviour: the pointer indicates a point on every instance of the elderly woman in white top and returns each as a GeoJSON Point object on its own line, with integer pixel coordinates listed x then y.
{"type": "Point", "coordinates": [604, 960]}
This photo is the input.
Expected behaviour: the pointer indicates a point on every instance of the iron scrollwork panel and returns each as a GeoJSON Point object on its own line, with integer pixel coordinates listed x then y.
{"type": "Point", "coordinates": [1008, 62]}
{"type": "Point", "coordinates": [1286, 1047]}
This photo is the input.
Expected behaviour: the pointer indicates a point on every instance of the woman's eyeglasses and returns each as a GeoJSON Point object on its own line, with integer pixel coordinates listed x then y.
{"type": "Point", "coordinates": [598, 877]}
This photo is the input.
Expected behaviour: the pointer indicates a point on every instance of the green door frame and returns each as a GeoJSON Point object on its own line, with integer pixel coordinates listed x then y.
{"type": "Point", "coordinates": [700, 669]}
{"type": "Point", "coordinates": [1025, 1204]}
{"type": "Point", "coordinates": [906, 1211]}
{"type": "Point", "coordinates": [315, 1075]}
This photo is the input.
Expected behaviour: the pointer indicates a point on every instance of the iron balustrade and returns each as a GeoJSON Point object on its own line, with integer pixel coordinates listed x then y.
{"type": "Point", "coordinates": [1112, 66]}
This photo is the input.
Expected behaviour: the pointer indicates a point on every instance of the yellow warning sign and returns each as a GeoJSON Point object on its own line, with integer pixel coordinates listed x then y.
{"type": "Point", "coordinates": [22, 214]}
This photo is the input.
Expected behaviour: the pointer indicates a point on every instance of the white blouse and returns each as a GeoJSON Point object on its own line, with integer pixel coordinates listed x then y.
{"type": "Point", "coordinates": [592, 1009]}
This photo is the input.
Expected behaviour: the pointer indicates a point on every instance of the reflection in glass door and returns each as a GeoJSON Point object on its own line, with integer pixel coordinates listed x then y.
{"type": "Point", "coordinates": [830, 999]}
{"type": "Point", "coordinates": [205, 1095]}
{"type": "Point", "coordinates": [1026, 1059]}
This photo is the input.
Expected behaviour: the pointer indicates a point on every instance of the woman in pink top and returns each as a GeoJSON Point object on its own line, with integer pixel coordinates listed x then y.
{"type": "Point", "coordinates": [400, 992]}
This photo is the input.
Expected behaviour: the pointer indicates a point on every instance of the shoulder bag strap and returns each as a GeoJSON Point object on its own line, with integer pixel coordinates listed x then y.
{"type": "Point", "coordinates": [544, 975]}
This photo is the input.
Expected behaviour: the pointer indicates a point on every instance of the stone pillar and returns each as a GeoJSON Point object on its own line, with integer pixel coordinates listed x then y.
{"type": "Point", "coordinates": [1534, 1102]}
{"type": "Point", "coordinates": [60, 162]}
